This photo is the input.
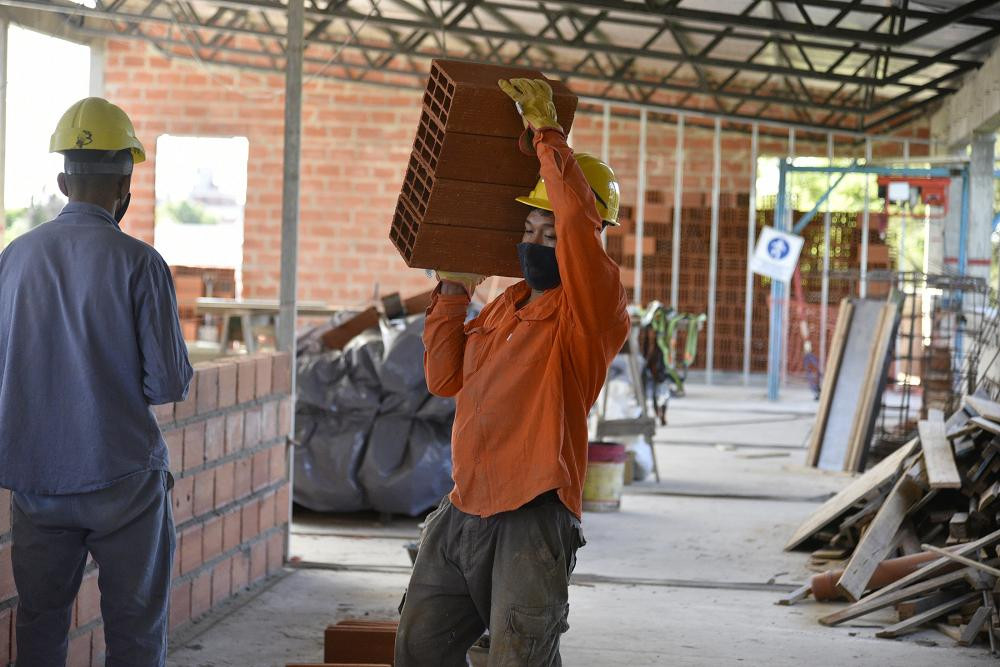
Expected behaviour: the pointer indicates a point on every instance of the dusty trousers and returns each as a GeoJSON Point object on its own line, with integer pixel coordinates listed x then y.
{"type": "Point", "coordinates": [508, 572]}
{"type": "Point", "coordinates": [128, 527]}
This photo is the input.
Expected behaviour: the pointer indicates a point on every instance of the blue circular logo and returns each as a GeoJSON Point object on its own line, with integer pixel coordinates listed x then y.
{"type": "Point", "coordinates": [778, 249]}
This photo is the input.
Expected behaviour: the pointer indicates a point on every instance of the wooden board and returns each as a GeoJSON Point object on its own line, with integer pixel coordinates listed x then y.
{"type": "Point", "coordinates": [879, 539]}
{"type": "Point", "coordinates": [986, 425]}
{"type": "Point", "coordinates": [874, 603]}
{"type": "Point", "coordinates": [912, 624]}
{"type": "Point", "coordinates": [845, 402]}
{"type": "Point", "coordinates": [872, 387]}
{"type": "Point", "coordinates": [881, 474]}
{"type": "Point", "coordinates": [829, 380]}
{"type": "Point", "coordinates": [975, 626]}
{"type": "Point", "coordinates": [983, 407]}
{"type": "Point", "coordinates": [938, 454]}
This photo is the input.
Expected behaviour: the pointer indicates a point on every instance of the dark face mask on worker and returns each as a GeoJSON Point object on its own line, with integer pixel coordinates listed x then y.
{"type": "Point", "coordinates": [539, 266]}
{"type": "Point", "coordinates": [121, 208]}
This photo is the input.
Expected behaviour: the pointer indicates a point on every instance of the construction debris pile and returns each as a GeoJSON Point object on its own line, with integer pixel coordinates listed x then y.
{"type": "Point", "coordinates": [934, 504]}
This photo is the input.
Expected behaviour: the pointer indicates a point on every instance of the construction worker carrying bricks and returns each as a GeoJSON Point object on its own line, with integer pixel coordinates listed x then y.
{"type": "Point", "coordinates": [498, 552]}
{"type": "Point", "coordinates": [89, 340]}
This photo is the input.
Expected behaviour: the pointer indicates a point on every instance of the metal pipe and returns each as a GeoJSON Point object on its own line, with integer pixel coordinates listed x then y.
{"type": "Point", "coordinates": [904, 218]}
{"type": "Point", "coordinates": [941, 172]}
{"type": "Point", "coordinates": [713, 252]}
{"type": "Point", "coordinates": [290, 213]}
{"type": "Point", "coordinates": [774, 330]}
{"type": "Point", "coordinates": [824, 299]}
{"type": "Point", "coordinates": [863, 279]}
{"type": "Point", "coordinates": [675, 247]}
{"type": "Point", "coordinates": [783, 290]}
{"type": "Point", "coordinates": [963, 229]}
{"type": "Point", "coordinates": [640, 208]}
{"type": "Point", "coordinates": [751, 234]}
{"type": "Point", "coordinates": [606, 154]}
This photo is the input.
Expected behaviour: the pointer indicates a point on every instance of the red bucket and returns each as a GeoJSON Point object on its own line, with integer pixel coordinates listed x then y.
{"type": "Point", "coordinates": [606, 452]}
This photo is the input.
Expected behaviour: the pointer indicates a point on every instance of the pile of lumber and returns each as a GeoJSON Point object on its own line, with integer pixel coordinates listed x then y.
{"type": "Point", "coordinates": [936, 500]}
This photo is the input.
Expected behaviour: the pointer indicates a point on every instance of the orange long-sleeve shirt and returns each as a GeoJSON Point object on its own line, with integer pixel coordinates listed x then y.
{"type": "Point", "coordinates": [525, 379]}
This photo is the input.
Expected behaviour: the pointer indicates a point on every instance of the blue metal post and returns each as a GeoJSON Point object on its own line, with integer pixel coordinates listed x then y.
{"type": "Point", "coordinates": [963, 229]}
{"type": "Point", "coordinates": [775, 330]}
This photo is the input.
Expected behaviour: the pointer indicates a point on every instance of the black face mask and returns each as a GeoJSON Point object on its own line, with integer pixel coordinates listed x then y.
{"type": "Point", "coordinates": [120, 211]}
{"type": "Point", "coordinates": [538, 263]}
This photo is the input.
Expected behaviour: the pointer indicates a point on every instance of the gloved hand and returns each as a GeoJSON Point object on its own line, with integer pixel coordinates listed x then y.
{"type": "Point", "coordinates": [468, 281]}
{"type": "Point", "coordinates": [534, 102]}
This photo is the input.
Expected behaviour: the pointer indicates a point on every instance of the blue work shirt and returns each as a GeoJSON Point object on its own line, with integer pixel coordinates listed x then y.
{"type": "Point", "coordinates": [89, 340]}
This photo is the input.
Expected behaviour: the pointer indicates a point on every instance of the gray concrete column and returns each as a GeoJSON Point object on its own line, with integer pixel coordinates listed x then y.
{"type": "Point", "coordinates": [979, 250]}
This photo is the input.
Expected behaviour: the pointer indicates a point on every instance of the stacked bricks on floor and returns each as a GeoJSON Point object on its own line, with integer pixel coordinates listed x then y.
{"type": "Point", "coordinates": [230, 498]}
{"type": "Point", "coordinates": [456, 210]}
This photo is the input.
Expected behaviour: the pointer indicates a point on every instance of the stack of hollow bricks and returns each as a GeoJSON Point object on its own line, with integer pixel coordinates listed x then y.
{"type": "Point", "coordinates": [230, 499]}
{"type": "Point", "coordinates": [456, 210]}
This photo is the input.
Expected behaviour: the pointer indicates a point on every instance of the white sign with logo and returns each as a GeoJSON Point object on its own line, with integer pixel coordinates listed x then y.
{"type": "Point", "coordinates": [777, 254]}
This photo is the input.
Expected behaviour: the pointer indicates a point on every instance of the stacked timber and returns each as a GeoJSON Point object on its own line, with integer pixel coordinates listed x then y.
{"type": "Point", "coordinates": [935, 505]}
{"type": "Point", "coordinates": [456, 210]}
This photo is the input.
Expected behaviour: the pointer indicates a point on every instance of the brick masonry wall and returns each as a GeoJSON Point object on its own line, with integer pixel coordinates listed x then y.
{"type": "Point", "coordinates": [230, 499]}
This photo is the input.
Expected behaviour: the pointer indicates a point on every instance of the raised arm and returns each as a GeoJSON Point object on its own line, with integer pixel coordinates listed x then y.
{"type": "Point", "coordinates": [444, 339]}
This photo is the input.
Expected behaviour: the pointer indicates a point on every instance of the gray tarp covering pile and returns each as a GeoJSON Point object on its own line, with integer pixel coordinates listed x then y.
{"type": "Point", "coordinates": [370, 434]}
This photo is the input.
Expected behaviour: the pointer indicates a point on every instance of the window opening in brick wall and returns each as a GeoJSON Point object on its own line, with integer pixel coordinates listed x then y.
{"type": "Point", "coordinates": [45, 76]}
{"type": "Point", "coordinates": [201, 191]}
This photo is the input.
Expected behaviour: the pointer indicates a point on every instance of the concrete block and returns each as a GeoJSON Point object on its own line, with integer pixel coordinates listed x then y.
{"type": "Point", "coordinates": [180, 605]}
{"type": "Point", "coordinates": [225, 484]}
{"type": "Point", "coordinates": [208, 388]}
{"type": "Point", "coordinates": [227, 384]}
{"type": "Point", "coordinates": [215, 438]}
{"type": "Point", "coordinates": [183, 499]}
{"type": "Point", "coordinates": [194, 445]}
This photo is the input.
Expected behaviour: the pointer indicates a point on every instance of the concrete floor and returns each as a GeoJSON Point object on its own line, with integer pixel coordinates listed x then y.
{"type": "Point", "coordinates": [686, 574]}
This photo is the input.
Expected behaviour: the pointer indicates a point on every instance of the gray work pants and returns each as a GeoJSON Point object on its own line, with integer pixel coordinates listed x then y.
{"type": "Point", "coordinates": [129, 529]}
{"type": "Point", "coordinates": [508, 572]}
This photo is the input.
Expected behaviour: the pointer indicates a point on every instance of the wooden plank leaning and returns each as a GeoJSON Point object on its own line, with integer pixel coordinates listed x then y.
{"type": "Point", "coordinates": [829, 380]}
{"type": "Point", "coordinates": [983, 407]}
{"type": "Point", "coordinates": [939, 457]}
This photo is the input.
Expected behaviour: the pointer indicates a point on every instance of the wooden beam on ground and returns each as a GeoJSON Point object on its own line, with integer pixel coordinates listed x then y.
{"type": "Point", "coordinates": [983, 407]}
{"type": "Point", "coordinates": [939, 458]}
{"type": "Point", "coordinates": [881, 474]}
{"type": "Point", "coordinates": [912, 624]}
{"type": "Point", "coordinates": [963, 560]}
{"type": "Point", "coordinates": [873, 603]}
{"type": "Point", "coordinates": [879, 539]}
{"type": "Point", "coordinates": [975, 626]}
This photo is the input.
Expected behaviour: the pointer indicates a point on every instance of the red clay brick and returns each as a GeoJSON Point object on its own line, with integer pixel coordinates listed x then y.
{"type": "Point", "coordinates": [208, 388]}
{"type": "Point", "coordinates": [194, 445]}
{"type": "Point", "coordinates": [258, 561]}
{"type": "Point", "coordinates": [164, 413]}
{"type": "Point", "coordinates": [183, 499]}
{"type": "Point", "coordinates": [261, 469]}
{"type": "Point", "coordinates": [285, 416]}
{"type": "Point", "coordinates": [191, 549]}
{"type": "Point", "coordinates": [5, 637]}
{"type": "Point", "coordinates": [98, 648]}
{"type": "Point", "coordinates": [250, 522]}
{"type": "Point", "coordinates": [88, 600]}
{"type": "Point", "coordinates": [227, 384]}
{"type": "Point", "coordinates": [222, 582]}
{"type": "Point", "coordinates": [281, 373]}
{"type": "Point", "coordinates": [278, 463]}
{"type": "Point", "coordinates": [281, 506]}
{"type": "Point", "coordinates": [246, 379]}
{"type": "Point", "coordinates": [79, 651]}
{"type": "Point", "coordinates": [349, 643]}
{"type": "Point", "coordinates": [265, 363]}
{"type": "Point", "coordinates": [175, 448]}
{"type": "Point", "coordinates": [204, 492]}
{"type": "Point", "coordinates": [201, 594]}
{"type": "Point", "coordinates": [215, 438]}
{"type": "Point", "coordinates": [4, 512]}
{"type": "Point", "coordinates": [225, 480]}
{"type": "Point", "coordinates": [275, 552]}
{"type": "Point", "coordinates": [234, 432]}
{"type": "Point", "coordinates": [231, 526]}
{"type": "Point", "coordinates": [244, 477]}
{"type": "Point", "coordinates": [252, 427]}
{"type": "Point", "coordinates": [266, 512]}
{"type": "Point", "coordinates": [189, 407]}
{"type": "Point", "coordinates": [212, 539]}
{"type": "Point", "coordinates": [269, 421]}
{"type": "Point", "coordinates": [241, 570]}
{"type": "Point", "coordinates": [7, 588]}
{"type": "Point", "coordinates": [180, 605]}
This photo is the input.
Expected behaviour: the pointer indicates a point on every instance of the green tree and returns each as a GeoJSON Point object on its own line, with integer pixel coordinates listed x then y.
{"type": "Point", "coordinates": [187, 212]}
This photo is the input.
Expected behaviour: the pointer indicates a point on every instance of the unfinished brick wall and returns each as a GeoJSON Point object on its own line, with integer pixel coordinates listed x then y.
{"type": "Point", "coordinates": [230, 499]}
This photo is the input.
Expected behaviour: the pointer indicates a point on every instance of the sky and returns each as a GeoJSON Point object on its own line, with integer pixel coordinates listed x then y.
{"type": "Point", "coordinates": [45, 75]}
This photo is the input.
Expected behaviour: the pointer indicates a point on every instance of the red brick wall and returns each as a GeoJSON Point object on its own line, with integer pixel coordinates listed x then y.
{"type": "Point", "coordinates": [230, 499]}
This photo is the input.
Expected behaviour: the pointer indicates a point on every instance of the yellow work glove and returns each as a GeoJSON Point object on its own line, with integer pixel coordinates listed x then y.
{"type": "Point", "coordinates": [469, 281]}
{"type": "Point", "coordinates": [534, 102]}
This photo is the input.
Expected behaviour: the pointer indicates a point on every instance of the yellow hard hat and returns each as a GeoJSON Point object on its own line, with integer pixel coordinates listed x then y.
{"type": "Point", "coordinates": [602, 182]}
{"type": "Point", "coordinates": [93, 123]}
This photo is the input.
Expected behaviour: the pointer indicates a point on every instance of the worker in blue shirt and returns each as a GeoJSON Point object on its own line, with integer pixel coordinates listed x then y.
{"type": "Point", "coordinates": [89, 341]}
